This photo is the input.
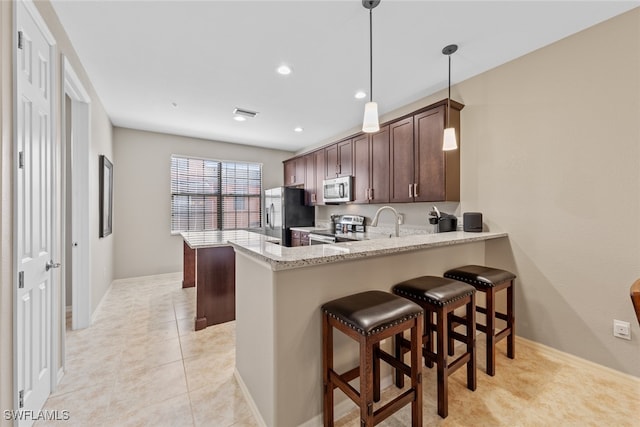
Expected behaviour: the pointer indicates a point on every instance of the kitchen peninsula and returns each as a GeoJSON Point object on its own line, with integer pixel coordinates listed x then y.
{"type": "Point", "coordinates": [278, 294]}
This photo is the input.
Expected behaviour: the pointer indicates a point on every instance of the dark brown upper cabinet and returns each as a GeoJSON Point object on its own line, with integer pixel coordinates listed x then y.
{"type": "Point", "coordinates": [339, 159]}
{"type": "Point", "coordinates": [371, 167]}
{"type": "Point", "coordinates": [401, 163]}
{"type": "Point", "coordinates": [294, 171]}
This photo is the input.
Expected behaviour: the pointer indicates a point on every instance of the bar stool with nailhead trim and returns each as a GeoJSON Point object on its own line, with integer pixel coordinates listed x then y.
{"type": "Point", "coordinates": [491, 280]}
{"type": "Point", "coordinates": [368, 318]}
{"type": "Point", "coordinates": [442, 296]}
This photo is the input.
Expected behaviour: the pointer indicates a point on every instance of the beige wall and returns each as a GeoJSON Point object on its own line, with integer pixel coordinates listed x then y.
{"type": "Point", "coordinates": [101, 143]}
{"type": "Point", "coordinates": [142, 201]}
{"type": "Point", "coordinates": [552, 155]}
{"type": "Point", "coordinates": [550, 152]}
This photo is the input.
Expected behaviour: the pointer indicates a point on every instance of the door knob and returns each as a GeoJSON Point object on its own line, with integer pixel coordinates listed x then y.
{"type": "Point", "coordinates": [51, 265]}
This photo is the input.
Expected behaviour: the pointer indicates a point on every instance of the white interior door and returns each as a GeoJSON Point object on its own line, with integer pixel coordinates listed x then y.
{"type": "Point", "coordinates": [34, 221]}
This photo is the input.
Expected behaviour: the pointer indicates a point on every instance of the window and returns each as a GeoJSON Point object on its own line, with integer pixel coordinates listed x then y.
{"type": "Point", "coordinates": [215, 195]}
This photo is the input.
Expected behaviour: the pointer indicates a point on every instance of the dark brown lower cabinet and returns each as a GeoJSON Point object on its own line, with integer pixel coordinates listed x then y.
{"type": "Point", "coordinates": [214, 275]}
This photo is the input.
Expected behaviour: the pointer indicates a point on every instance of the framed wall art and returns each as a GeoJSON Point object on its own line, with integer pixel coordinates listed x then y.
{"type": "Point", "coordinates": [106, 196]}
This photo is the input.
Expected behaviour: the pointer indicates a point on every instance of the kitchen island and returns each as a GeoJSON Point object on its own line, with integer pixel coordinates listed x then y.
{"type": "Point", "coordinates": [279, 292]}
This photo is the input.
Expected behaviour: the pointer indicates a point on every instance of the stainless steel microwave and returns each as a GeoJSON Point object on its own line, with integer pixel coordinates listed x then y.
{"type": "Point", "coordinates": [337, 190]}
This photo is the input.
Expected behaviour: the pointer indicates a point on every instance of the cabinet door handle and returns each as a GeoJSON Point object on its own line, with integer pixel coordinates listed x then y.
{"type": "Point", "coordinates": [366, 193]}
{"type": "Point", "coordinates": [410, 190]}
{"type": "Point", "coordinates": [371, 194]}
{"type": "Point", "coordinates": [415, 190]}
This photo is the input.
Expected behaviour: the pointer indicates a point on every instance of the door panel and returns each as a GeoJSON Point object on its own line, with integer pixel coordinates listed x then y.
{"type": "Point", "coordinates": [380, 166]}
{"type": "Point", "coordinates": [401, 157]}
{"type": "Point", "coordinates": [429, 157]}
{"type": "Point", "coordinates": [361, 169]}
{"type": "Point", "coordinates": [345, 167]}
{"type": "Point", "coordinates": [34, 213]}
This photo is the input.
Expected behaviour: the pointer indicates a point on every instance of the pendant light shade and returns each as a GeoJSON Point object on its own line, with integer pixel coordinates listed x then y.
{"type": "Point", "coordinates": [370, 122]}
{"type": "Point", "coordinates": [449, 141]}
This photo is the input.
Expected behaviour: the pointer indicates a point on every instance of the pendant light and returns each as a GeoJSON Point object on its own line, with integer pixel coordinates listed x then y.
{"type": "Point", "coordinates": [370, 122]}
{"type": "Point", "coordinates": [449, 141]}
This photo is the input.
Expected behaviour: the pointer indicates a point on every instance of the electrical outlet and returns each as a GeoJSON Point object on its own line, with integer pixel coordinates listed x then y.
{"type": "Point", "coordinates": [400, 219]}
{"type": "Point", "coordinates": [621, 329]}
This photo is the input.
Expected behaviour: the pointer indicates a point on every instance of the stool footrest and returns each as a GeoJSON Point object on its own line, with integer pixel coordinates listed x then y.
{"type": "Point", "coordinates": [503, 334]}
{"type": "Point", "coordinates": [499, 315]}
{"type": "Point", "coordinates": [344, 386]}
{"type": "Point", "coordinates": [388, 409]}
{"type": "Point", "coordinates": [406, 369]}
{"type": "Point", "coordinates": [459, 362]}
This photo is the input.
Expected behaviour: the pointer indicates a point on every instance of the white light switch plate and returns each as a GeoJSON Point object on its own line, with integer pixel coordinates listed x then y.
{"type": "Point", "coordinates": [622, 329]}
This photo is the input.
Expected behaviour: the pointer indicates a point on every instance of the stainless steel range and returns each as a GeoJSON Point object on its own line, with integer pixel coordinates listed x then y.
{"type": "Point", "coordinates": [346, 229]}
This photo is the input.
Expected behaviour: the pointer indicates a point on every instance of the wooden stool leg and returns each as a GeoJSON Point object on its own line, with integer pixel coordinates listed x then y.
{"type": "Point", "coordinates": [442, 365]}
{"type": "Point", "coordinates": [416, 374]}
{"type": "Point", "coordinates": [511, 347]}
{"type": "Point", "coordinates": [376, 372]}
{"type": "Point", "coordinates": [399, 353]}
{"type": "Point", "coordinates": [327, 366]}
{"type": "Point", "coordinates": [428, 334]}
{"type": "Point", "coordinates": [366, 383]}
{"type": "Point", "coordinates": [452, 344]}
{"type": "Point", "coordinates": [471, 343]}
{"type": "Point", "coordinates": [491, 331]}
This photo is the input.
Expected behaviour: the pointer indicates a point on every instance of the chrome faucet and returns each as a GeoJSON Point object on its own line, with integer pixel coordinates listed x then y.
{"type": "Point", "coordinates": [374, 223]}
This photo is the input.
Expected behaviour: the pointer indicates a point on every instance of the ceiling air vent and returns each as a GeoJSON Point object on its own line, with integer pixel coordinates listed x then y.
{"type": "Point", "coordinates": [245, 113]}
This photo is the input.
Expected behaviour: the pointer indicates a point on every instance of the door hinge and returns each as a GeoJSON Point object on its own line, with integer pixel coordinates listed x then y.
{"type": "Point", "coordinates": [21, 159]}
{"type": "Point", "coordinates": [19, 39]}
{"type": "Point", "coordinates": [21, 399]}
{"type": "Point", "coordinates": [20, 279]}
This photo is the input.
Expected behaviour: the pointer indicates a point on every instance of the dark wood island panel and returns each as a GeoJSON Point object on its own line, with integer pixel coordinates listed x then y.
{"type": "Point", "coordinates": [212, 270]}
{"type": "Point", "coordinates": [188, 267]}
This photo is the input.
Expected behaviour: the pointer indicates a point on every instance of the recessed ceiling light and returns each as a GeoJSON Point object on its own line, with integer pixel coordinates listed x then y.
{"type": "Point", "coordinates": [298, 129]}
{"type": "Point", "coordinates": [285, 70]}
{"type": "Point", "coordinates": [239, 118]}
{"type": "Point", "coordinates": [360, 94]}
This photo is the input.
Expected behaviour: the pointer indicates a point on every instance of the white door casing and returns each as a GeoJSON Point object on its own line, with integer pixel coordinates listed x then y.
{"type": "Point", "coordinates": [80, 142]}
{"type": "Point", "coordinates": [34, 69]}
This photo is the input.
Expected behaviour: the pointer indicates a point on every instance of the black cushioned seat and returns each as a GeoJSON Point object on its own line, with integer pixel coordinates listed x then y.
{"type": "Point", "coordinates": [436, 290]}
{"type": "Point", "coordinates": [372, 311]}
{"type": "Point", "coordinates": [480, 275]}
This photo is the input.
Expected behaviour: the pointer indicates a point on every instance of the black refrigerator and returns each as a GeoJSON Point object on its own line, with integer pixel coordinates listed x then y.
{"type": "Point", "coordinates": [284, 208]}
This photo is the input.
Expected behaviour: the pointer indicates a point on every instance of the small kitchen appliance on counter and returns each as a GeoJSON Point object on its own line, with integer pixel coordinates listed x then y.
{"type": "Point", "coordinates": [472, 222]}
{"type": "Point", "coordinates": [443, 222]}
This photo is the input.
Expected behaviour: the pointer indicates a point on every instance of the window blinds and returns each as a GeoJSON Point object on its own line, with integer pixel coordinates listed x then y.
{"type": "Point", "coordinates": [215, 195]}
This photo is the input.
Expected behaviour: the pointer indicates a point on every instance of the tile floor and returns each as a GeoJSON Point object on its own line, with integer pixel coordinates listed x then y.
{"type": "Point", "coordinates": [141, 364]}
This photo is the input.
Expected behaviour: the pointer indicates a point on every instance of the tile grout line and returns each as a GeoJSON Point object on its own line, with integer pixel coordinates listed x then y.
{"type": "Point", "coordinates": [184, 367]}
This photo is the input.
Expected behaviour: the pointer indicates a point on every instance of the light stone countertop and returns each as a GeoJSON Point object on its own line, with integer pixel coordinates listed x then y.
{"type": "Point", "coordinates": [260, 247]}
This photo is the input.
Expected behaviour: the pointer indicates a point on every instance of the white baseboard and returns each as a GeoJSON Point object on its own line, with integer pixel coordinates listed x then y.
{"type": "Point", "coordinates": [339, 411]}
{"type": "Point", "coordinates": [252, 404]}
{"type": "Point", "coordinates": [571, 359]}
{"type": "Point", "coordinates": [163, 276]}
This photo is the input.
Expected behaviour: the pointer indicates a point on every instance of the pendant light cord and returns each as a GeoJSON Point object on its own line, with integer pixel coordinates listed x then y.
{"type": "Point", "coordinates": [449, 98]}
{"type": "Point", "coordinates": [371, 55]}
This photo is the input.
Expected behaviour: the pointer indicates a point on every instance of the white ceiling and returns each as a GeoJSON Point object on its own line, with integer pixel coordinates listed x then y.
{"type": "Point", "coordinates": [209, 57]}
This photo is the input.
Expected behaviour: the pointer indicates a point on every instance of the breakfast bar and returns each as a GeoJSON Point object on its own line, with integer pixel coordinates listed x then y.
{"type": "Point", "coordinates": [279, 292]}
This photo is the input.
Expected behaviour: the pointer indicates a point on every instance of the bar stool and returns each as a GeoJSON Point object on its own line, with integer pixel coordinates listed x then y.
{"type": "Point", "coordinates": [491, 280]}
{"type": "Point", "coordinates": [368, 318]}
{"type": "Point", "coordinates": [442, 296]}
